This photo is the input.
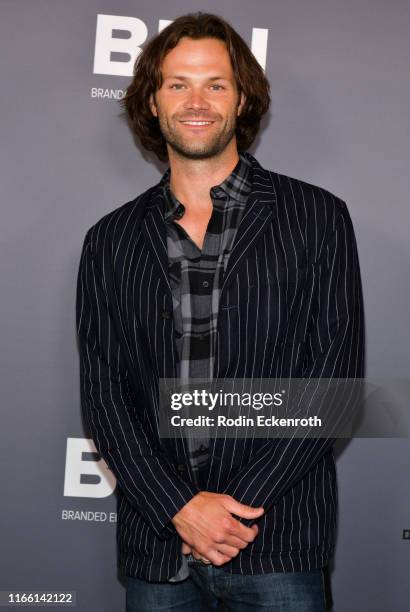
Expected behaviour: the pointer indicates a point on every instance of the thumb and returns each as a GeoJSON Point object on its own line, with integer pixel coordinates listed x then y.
{"type": "Point", "coordinates": [242, 510]}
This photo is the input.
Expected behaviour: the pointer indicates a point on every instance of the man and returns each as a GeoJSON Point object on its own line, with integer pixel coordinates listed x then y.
{"type": "Point", "coordinates": [225, 270]}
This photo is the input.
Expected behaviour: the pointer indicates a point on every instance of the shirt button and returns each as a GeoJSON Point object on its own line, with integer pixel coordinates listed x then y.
{"type": "Point", "coordinates": [179, 211]}
{"type": "Point", "coordinates": [205, 284]}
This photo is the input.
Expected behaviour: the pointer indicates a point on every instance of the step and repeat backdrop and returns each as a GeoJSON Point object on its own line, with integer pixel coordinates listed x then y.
{"type": "Point", "coordinates": [340, 118]}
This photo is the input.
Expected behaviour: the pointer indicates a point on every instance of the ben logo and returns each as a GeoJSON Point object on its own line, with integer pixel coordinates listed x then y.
{"type": "Point", "coordinates": [86, 474]}
{"type": "Point", "coordinates": [118, 43]}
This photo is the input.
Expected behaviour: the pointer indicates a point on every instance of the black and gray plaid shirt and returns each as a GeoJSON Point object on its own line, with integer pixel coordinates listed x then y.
{"type": "Point", "coordinates": [196, 280]}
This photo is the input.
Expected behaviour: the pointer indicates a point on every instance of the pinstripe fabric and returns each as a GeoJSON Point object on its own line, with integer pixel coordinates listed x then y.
{"type": "Point", "coordinates": [290, 306]}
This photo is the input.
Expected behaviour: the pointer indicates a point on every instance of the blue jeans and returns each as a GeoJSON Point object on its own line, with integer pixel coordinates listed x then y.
{"type": "Point", "coordinates": [210, 588]}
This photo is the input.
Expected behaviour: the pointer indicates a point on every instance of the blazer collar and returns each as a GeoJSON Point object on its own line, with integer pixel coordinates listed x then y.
{"type": "Point", "coordinates": [255, 220]}
{"type": "Point", "coordinates": [263, 187]}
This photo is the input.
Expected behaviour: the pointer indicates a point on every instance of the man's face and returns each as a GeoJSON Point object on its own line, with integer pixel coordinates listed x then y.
{"type": "Point", "coordinates": [198, 102]}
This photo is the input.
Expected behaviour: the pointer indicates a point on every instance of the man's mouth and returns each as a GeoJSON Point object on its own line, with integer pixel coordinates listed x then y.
{"type": "Point", "coordinates": [197, 123]}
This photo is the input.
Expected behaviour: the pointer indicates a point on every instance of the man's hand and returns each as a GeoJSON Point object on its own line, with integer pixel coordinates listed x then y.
{"type": "Point", "coordinates": [187, 549]}
{"type": "Point", "coordinates": [207, 526]}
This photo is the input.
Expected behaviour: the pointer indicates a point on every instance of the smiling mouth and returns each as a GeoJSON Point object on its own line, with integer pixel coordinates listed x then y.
{"type": "Point", "coordinates": [197, 123]}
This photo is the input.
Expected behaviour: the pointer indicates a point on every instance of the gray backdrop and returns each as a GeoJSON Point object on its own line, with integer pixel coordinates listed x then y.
{"type": "Point", "coordinates": [340, 118]}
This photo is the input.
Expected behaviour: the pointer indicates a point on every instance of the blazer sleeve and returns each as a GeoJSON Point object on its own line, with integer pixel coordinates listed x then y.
{"type": "Point", "coordinates": [335, 338]}
{"type": "Point", "coordinates": [146, 476]}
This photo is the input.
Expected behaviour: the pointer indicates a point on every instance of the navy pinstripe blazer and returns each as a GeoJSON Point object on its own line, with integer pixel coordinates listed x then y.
{"type": "Point", "coordinates": [290, 306]}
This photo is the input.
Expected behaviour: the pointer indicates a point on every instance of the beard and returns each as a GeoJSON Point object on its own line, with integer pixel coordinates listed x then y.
{"type": "Point", "coordinates": [202, 147]}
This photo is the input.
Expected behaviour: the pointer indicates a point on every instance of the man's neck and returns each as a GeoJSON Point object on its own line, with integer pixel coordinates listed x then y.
{"type": "Point", "coordinates": [192, 179]}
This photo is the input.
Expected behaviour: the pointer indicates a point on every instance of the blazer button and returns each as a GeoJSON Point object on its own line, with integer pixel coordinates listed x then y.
{"type": "Point", "coordinates": [166, 314]}
{"type": "Point", "coordinates": [181, 467]}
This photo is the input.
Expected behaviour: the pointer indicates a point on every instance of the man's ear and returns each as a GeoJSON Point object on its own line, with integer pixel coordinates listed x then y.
{"type": "Point", "coordinates": [153, 106]}
{"type": "Point", "coordinates": [241, 103]}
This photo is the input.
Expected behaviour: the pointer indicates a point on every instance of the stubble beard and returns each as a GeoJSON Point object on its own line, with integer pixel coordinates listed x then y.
{"type": "Point", "coordinates": [196, 148]}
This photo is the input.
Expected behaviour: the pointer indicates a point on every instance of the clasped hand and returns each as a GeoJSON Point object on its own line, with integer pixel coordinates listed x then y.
{"type": "Point", "coordinates": [208, 529]}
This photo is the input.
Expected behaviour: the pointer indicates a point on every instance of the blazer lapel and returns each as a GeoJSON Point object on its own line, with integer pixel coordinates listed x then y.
{"type": "Point", "coordinates": [255, 219]}
{"type": "Point", "coordinates": [155, 239]}
{"type": "Point", "coordinates": [154, 231]}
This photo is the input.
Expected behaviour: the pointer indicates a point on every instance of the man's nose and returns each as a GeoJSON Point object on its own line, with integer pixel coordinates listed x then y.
{"type": "Point", "coordinates": [196, 100]}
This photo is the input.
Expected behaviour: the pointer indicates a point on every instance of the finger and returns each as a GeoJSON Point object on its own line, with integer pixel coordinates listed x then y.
{"type": "Point", "coordinates": [231, 538]}
{"type": "Point", "coordinates": [255, 529]}
{"type": "Point", "coordinates": [196, 555]}
{"type": "Point", "coordinates": [199, 557]}
{"type": "Point", "coordinates": [242, 510]}
{"type": "Point", "coordinates": [236, 542]}
{"type": "Point", "coordinates": [186, 549]}
{"type": "Point", "coordinates": [236, 529]}
{"type": "Point", "coordinates": [217, 558]}
{"type": "Point", "coordinates": [210, 554]}
{"type": "Point", "coordinates": [228, 551]}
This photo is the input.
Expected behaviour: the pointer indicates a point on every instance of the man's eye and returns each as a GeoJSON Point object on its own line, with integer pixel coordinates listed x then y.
{"type": "Point", "coordinates": [180, 85]}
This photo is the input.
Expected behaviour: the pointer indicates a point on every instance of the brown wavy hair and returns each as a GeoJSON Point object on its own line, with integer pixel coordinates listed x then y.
{"type": "Point", "coordinates": [249, 75]}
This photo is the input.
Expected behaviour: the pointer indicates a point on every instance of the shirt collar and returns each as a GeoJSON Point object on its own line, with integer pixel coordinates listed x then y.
{"type": "Point", "coordinates": [236, 186]}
